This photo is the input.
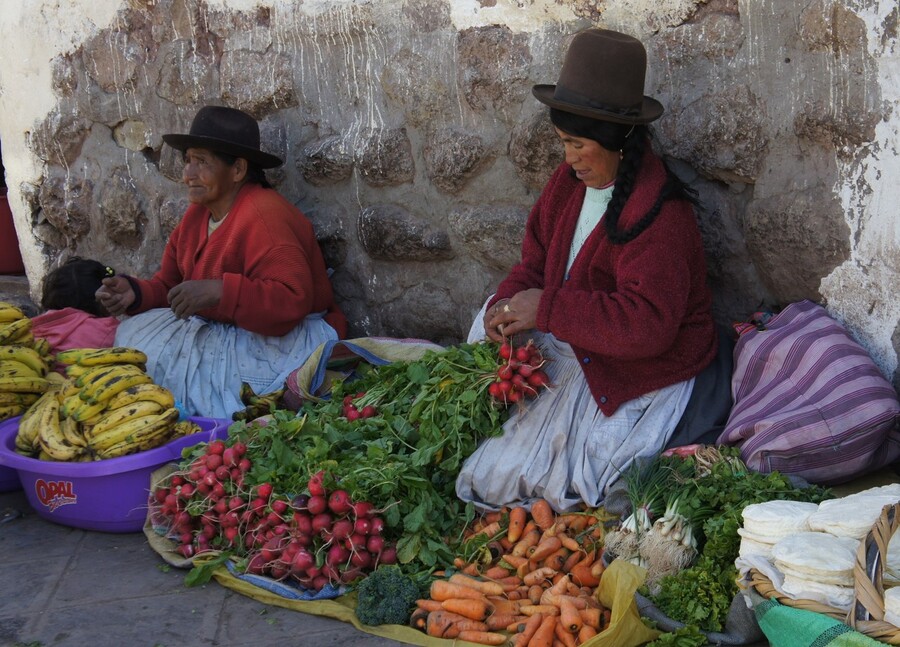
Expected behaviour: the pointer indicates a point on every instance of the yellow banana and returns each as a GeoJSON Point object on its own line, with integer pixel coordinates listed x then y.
{"type": "Point", "coordinates": [185, 428]}
{"type": "Point", "coordinates": [25, 338]}
{"type": "Point", "coordinates": [13, 329]}
{"type": "Point", "coordinates": [70, 403]}
{"type": "Point", "coordinates": [135, 430]}
{"type": "Point", "coordinates": [72, 355]}
{"type": "Point", "coordinates": [27, 435]}
{"type": "Point", "coordinates": [15, 368]}
{"type": "Point", "coordinates": [12, 410]}
{"type": "Point", "coordinates": [153, 434]}
{"type": "Point", "coordinates": [92, 375]}
{"type": "Point", "coordinates": [10, 312]}
{"type": "Point", "coordinates": [116, 355]}
{"type": "Point", "coordinates": [150, 391]}
{"type": "Point", "coordinates": [114, 386]}
{"type": "Point", "coordinates": [26, 355]}
{"type": "Point", "coordinates": [57, 380]}
{"type": "Point", "coordinates": [27, 399]}
{"type": "Point", "coordinates": [72, 432]}
{"type": "Point", "coordinates": [50, 434]}
{"type": "Point", "coordinates": [42, 346]}
{"type": "Point", "coordinates": [121, 415]}
{"type": "Point", "coordinates": [87, 410]}
{"type": "Point", "coordinates": [44, 456]}
{"type": "Point", "coordinates": [24, 384]}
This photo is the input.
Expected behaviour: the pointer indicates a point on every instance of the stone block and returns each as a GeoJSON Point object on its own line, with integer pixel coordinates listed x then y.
{"type": "Point", "coordinates": [491, 234]}
{"type": "Point", "coordinates": [389, 232]}
{"type": "Point", "coordinates": [384, 157]}
{"type": "Point", "coordinates": [452, 157]}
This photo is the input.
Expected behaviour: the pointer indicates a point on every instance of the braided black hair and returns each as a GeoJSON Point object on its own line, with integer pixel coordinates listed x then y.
{"type": "Point", "coordinates": [73, 284]}
{"type": "Point", "coordinates": [632, 141]}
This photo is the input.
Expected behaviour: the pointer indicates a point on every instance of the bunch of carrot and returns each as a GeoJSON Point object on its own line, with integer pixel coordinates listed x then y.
{"type": "Point", "coordinates": [537, 592]}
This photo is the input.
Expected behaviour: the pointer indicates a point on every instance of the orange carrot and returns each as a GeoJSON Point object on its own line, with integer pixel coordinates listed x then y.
{"type": "Point", "coordinates": [418, 619]}
{"type": "Point", "coordinates": [544, 635]}
{"type": "Point", "coordinates": [591, 617]}
{"type": "Point", "coordinates": [508, 583]}
{"type": "Point", "coordinates": [568, 542]}
{"type": "Point", "coordinates": [500, 621]}
{"type": "Point", "coordinates": [589, 557]}
{"type": "Point", "coordinates": [557, 559]}
{"type": "Point", "coordinates": [439, 622]}
{"type": "Point", "coordinates": [491, 529]}
{"type": "Point", "coordinates": [571, 560]}
{"type": "Point", "coordinates": [598, 567]}
{"type": "Point", "coordinates": [531, 626]}
{"type": "Point", "coordinates": [496, 572]}
{"type": "Point", "coordinates": [459, 562]}
{"type": "Point", "coordinates": [586, 633]}
{"type": "Point", "coordinates": [544, 549]}
{"type": "Point", "coordinates": [515, 561]}
{"type": "Point", "coordinates": [564, 636]}
{"type": "Point", "coordinates": [569, 617]}
{"type": "Point", "coordinates": [552, 598]}
{"type": "Point", "coordinates": [493, 516]}
{"type": "Point", "coordinates": [429, 605]}
{"type": "Point", "coordinates": [471, 569]}
{"type": "Point", "coordinates": [538, 575]}
{"type": "Point", "coordinates": [560, 586]}
{"type": "Point", "coordinates": [517, 518]}
{"type": "Point", "coordinates": [445, 590]}
{"type": "Point", "coordinates": [542, 514]}
{"type": "Point", "coordinates": [473, 609]}
{"type": "Point", "coordinates": [543, 609]}
{"type": "Point", "coordinates": [583, 576]}
{"type": "Point", "coordinates": [488, 588]}
{"type": "Point", "coordinates": [529, 538]}
{"type": "Point", "coordinates": [504, 605]}
{"type": "Point", "coordinates": [535, 591]}
{"type": "Point", "coordinates": [482, 637]}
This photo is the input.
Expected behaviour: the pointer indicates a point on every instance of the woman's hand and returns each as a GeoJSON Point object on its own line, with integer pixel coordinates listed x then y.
{"type": "Point", "coordinates": [190, 297]}
{"type": "Point", "coordinates": [115, 295]}
{"type": "Point", "coordinates": [510, 316]}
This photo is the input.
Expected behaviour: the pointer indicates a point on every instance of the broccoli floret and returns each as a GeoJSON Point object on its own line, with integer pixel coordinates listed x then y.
{"type": "Point", "coordinates": [386, 596]}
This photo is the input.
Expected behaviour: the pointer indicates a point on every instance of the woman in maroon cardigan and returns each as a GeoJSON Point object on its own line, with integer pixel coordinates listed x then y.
{"type": "Point", "coordinates": [612, 284]}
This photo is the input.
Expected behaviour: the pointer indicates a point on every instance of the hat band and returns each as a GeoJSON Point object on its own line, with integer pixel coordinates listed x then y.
{"type": "Point", "coordinates": [568, 96]}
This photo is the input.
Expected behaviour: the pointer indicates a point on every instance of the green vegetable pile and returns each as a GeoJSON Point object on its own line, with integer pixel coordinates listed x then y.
{"type": "Point", "coordinates": [431, 414]}
{"type": "Point", "coordinates": [701, 594]}
{"type": "Point", "coordinates": [386, 596]}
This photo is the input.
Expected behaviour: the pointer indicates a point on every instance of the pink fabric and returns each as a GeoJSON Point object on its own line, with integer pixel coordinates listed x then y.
{"type": "Point", "coordinates": [638, 315]}
{"type": "Point", "coordinates": [72, 328]}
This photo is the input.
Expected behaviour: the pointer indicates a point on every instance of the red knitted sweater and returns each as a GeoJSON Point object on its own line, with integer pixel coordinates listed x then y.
{"type": "Point", "coordinates": [637, 315]}
{"type": "Point", "coordinates": [267, 256]}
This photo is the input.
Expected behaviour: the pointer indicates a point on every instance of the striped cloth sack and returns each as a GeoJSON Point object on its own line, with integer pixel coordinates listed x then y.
{"type": "Point", "coordinates": [809, 401]}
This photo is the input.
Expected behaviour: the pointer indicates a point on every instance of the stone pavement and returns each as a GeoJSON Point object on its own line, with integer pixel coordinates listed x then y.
{"type": "Point", "coordinates": [66, 587]}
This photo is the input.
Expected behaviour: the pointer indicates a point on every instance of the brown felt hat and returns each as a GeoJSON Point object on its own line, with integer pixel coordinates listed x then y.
{"type": "Point", "coordinates": [225, 130]}
{"type": "Point", "coordinates": [602, 77]}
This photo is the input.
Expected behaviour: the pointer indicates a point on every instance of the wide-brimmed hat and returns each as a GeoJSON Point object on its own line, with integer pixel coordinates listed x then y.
{"type": "Point", "coordinates": [225, 130]}
{"type": "Point", "coordinates": [603, 77]}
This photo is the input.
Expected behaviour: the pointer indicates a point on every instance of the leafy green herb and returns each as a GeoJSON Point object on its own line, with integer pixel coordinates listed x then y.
{"type": "Point", "coordinates": [687, 636]}
{"type": "Point", "coordinates": [202, 573]}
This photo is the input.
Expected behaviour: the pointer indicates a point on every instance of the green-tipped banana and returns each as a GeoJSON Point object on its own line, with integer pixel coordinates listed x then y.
{"type": "Point", "coordinates": [25, 354]}
{"type": "Point", "coordinates": [41, 346]}
{"type": "Point", "coordinates": [94, 376]}
{"type": "Point", "coordinates": [115, 386]}
{"type": "Point", "coordinates": [135, 430]}
{"type": "Point", "coordinates": [72, 355]}
{"type": "Point", "coordinates": [12, 410]}
{"type": "Point", "coordinates": [116, 355]}
{"type": "Point", "coordinates": [150, 391]}
{"type": "Point", "coordinates": [50, 434]}
{"type": "Point", "coordinates": [15, 368]}
{"type": "Point", "coordinates": [122, 415]}
{"type": "Point", "coordinates": [14, 330]}
{"type": "Point", "coordinates": [24, 384]}
{"type": "Point", "coordinates": [87, 410]}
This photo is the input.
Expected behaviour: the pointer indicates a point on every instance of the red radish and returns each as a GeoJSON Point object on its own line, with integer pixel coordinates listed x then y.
{"type": "Point", "coordinates": [342, 529]}
{"type": "Point", "coordinates": [362, 508]}
{"type": "Point", "coordinates": [369, 411]}
{"type": "Point", "coordinates": [525, 370]}
{"type": "Point", "coordinates": [361, 559]}
{"type": "Point", "coordinates": [160, 494]}
{"type": "Point", "coordinates": [356, 542]}
{"type": "Point", "coordinates": [362, 526]}
{"type": "Point", "coordinates": [210, 479]}
{"type": "Point", "coordinates": [317, 504]}
{"type": "Point", "coordinates": [218, 491]}
{"type": "Point", "coordinates": [353, 414]}
{"type": "Point", "coordinates": [244, 465]}
{"type": "Point", "coordinates": [231, 534]}
{"type": "Point", "coordinates": [303, 559]}
{"type": "Point", "coordinates": [221, 506]}
{"type": "Point", "coordinates": [186, 550]}
{"type": "Point", "coordinates": [321, 522]}
{"type": "Point", "coordinates": [223, 473]}
{"type": "Point", "coordinates": [348, 399]}
{"type": "Point", "coordinates": [240, 448]}
{"type": "Point", "coordinates": [336, 555]}
{"type": "Point", "coordinates": [256, 565]}
{"type": "Point", "coordinates": [319, 583]}
{"type": "Point", "coordinates": [494, 391]}
{"type": "Point", "coordinates": [303, 522]}
{"type": "Point", "coordinates": [264, 491]}
{"type": "Point", "coordinates": [258, 505]}
{"type": "Point", "coordinates": [216, 447]}
{"type": "Point", "coordinates": [177, 480]}
{"type": "Point", "coordinates": [377, 526]}
{"type": "Point", "coordinates": [213, 461]}
{"type": "Point", "coordinates": [505, 351]}
{"type": "Point", "coordinates": [505, 372]}
{"type": "Point", "coordinates": [339, 502]}
{"type": "Point", "coordinates": [186, 491]}
{"type": "Point", "coordinates": [513, 396]}
{"type": "Point", "coordinates": [304, 539]}
{"type": "Point", "coordinates": [375, 544]}
{"type": "Point", "coordinates": [523, 354]}
{"type": "Point", "coordinates": [279, 506]}
{"type": "Point", "coordinates": [388, 555]}
{"type": "Point", "coordinates": [538, 379]}
{"type": "Point", "coordinates": [235, 503]}
{"type": "Point", "coordinates": [230, 458]}
{"type": "Point", "coordinates": [315, 485]}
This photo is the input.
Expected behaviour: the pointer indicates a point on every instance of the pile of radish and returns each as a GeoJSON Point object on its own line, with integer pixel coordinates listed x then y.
{"type": "Point", "coordinates": [520, 374]}
{"type": "Point", "coordinates": [352, 412]}
{"type": "Point", "coordinates": [315, 539]}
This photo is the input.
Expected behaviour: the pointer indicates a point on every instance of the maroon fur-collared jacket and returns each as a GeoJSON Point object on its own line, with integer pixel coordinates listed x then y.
{"type": "Point", "coordinates": [638, 315]}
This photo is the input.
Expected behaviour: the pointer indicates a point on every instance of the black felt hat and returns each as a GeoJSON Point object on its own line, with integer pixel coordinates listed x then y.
{"type": "Point", "coordinates": [225, 130]}
{"type": "Point", "coordinates": [603, 77]}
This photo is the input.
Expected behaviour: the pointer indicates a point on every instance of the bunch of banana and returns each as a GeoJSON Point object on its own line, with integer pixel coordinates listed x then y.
{"type": "Point", "coordinates": [15, 326]}
{"type": "Point", "coordinates": [257, 405]}
{"type": "Point", "coordinates": [24, 376]}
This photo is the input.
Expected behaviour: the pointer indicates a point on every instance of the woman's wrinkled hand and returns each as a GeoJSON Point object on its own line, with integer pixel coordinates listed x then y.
{"type": "Point", "coordinates": [510, 316]}
{"type": "Point", "coordinates": [191, 297]}
{"type": "Point", "coordinates": [115, 295]}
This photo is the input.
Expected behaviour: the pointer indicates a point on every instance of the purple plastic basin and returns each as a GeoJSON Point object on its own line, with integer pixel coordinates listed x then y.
{"type": "Point", "coordinates": [108, 495]}
{"type": "Point", "coordinates": [9, 480]}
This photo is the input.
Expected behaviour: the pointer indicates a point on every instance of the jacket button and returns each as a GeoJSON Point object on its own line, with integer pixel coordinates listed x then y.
{"type": "Point", "coordinates": [603, 399]}
{"type": "Point", "coordinates": [586, 360]}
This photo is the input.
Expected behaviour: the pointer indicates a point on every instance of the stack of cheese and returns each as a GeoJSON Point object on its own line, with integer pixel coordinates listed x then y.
{"type": "Point", "coordinates": [817, 566]}
{"type": "Point", "coordinates": [855, 514]}
{"type": "Point", "coordinates": [892, 606]}
{"type": "Point", "coordinates": [765, 524]}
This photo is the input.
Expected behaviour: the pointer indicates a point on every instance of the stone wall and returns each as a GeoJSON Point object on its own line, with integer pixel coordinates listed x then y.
{"type": "Point", "coordinates": [413, 143]}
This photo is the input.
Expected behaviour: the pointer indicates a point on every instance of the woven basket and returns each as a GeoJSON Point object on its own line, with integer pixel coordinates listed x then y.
{"type": "Point", "coordinates": [867, 613]}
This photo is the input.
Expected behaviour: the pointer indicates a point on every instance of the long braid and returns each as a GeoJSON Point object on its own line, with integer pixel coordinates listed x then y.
{"type": "Point", "coordinates": [629, 166]}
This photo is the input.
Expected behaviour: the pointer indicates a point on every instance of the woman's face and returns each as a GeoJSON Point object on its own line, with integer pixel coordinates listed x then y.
{"type": "Point", "coordinates": [593, 164]}
{"type": "Point", "coordinates": [211, 182]}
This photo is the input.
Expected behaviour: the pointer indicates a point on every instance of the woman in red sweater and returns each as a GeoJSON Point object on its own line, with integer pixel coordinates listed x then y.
{"type": "Point", "coordinates": [612, 285]}
{"type": "Point", "coordinates": [243, 293]}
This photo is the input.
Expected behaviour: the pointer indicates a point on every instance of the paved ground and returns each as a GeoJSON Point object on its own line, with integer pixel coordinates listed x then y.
{"type": "Point", "coordinates": [64, 587]}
